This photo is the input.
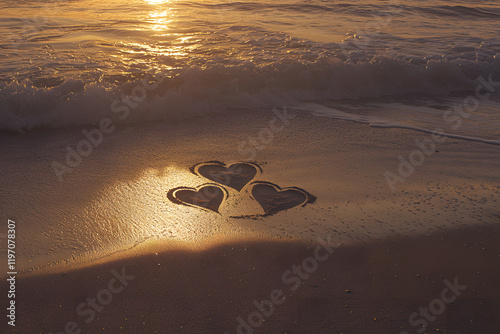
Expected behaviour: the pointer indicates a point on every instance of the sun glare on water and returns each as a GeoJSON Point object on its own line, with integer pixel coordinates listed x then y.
{"type": "Point", "coordinates": [157, 2]}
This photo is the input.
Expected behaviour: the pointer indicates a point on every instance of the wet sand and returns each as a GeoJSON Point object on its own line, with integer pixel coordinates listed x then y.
{"type": "Point", "coordinates": [197, 271]}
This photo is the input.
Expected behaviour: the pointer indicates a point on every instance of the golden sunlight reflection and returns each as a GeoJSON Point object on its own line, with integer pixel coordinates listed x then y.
{"type": "Point", "coordinates": [138, 210]}
{"type": "Point", "coordinates": [160, 15]}
{"type": "Point", "coordinates": [155, 50]}
{"type": "Point", "coordinates": [157, 2]}
{"type": "Point", "coordinates": [160, 19]}
{"type": "Point", "coordinates": [166, 45]}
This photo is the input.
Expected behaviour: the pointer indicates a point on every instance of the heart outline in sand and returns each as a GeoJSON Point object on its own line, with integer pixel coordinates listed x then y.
{"type": "Point", "coordinates": [273, 199]}
{"type": "Point", "coordinates": [208, 196]}
{"type": "Point", "coordinates": [235, 176]}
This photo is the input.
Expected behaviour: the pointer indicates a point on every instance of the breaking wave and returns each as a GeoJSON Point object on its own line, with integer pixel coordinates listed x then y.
{"type": "Point", "coordinates": [200, 91]}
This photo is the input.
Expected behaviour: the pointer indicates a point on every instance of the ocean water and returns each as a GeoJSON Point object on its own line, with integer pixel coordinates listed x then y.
{"type": "Point", "coordinates": [65, 62]}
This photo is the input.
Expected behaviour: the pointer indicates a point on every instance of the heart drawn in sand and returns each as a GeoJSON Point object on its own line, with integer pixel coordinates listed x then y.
{"type": "Point", "coordinates": [273, 199]}
{"type": "Point", "coordinates": [235, 176]}
{"type": "Point", "coordinates": [207, 196]}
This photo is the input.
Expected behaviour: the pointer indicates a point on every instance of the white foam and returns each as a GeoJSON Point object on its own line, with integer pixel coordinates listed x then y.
{"type": "Point", "coordinates": [323, 111]}
{"type": "Point", "coordinates": [201, 91]}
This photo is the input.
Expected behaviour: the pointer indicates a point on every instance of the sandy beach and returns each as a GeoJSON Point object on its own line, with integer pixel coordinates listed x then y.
{"type": "Point", "coordinates": [375, 287]}
{"type": "Point", "coordinates": [391, 252]}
